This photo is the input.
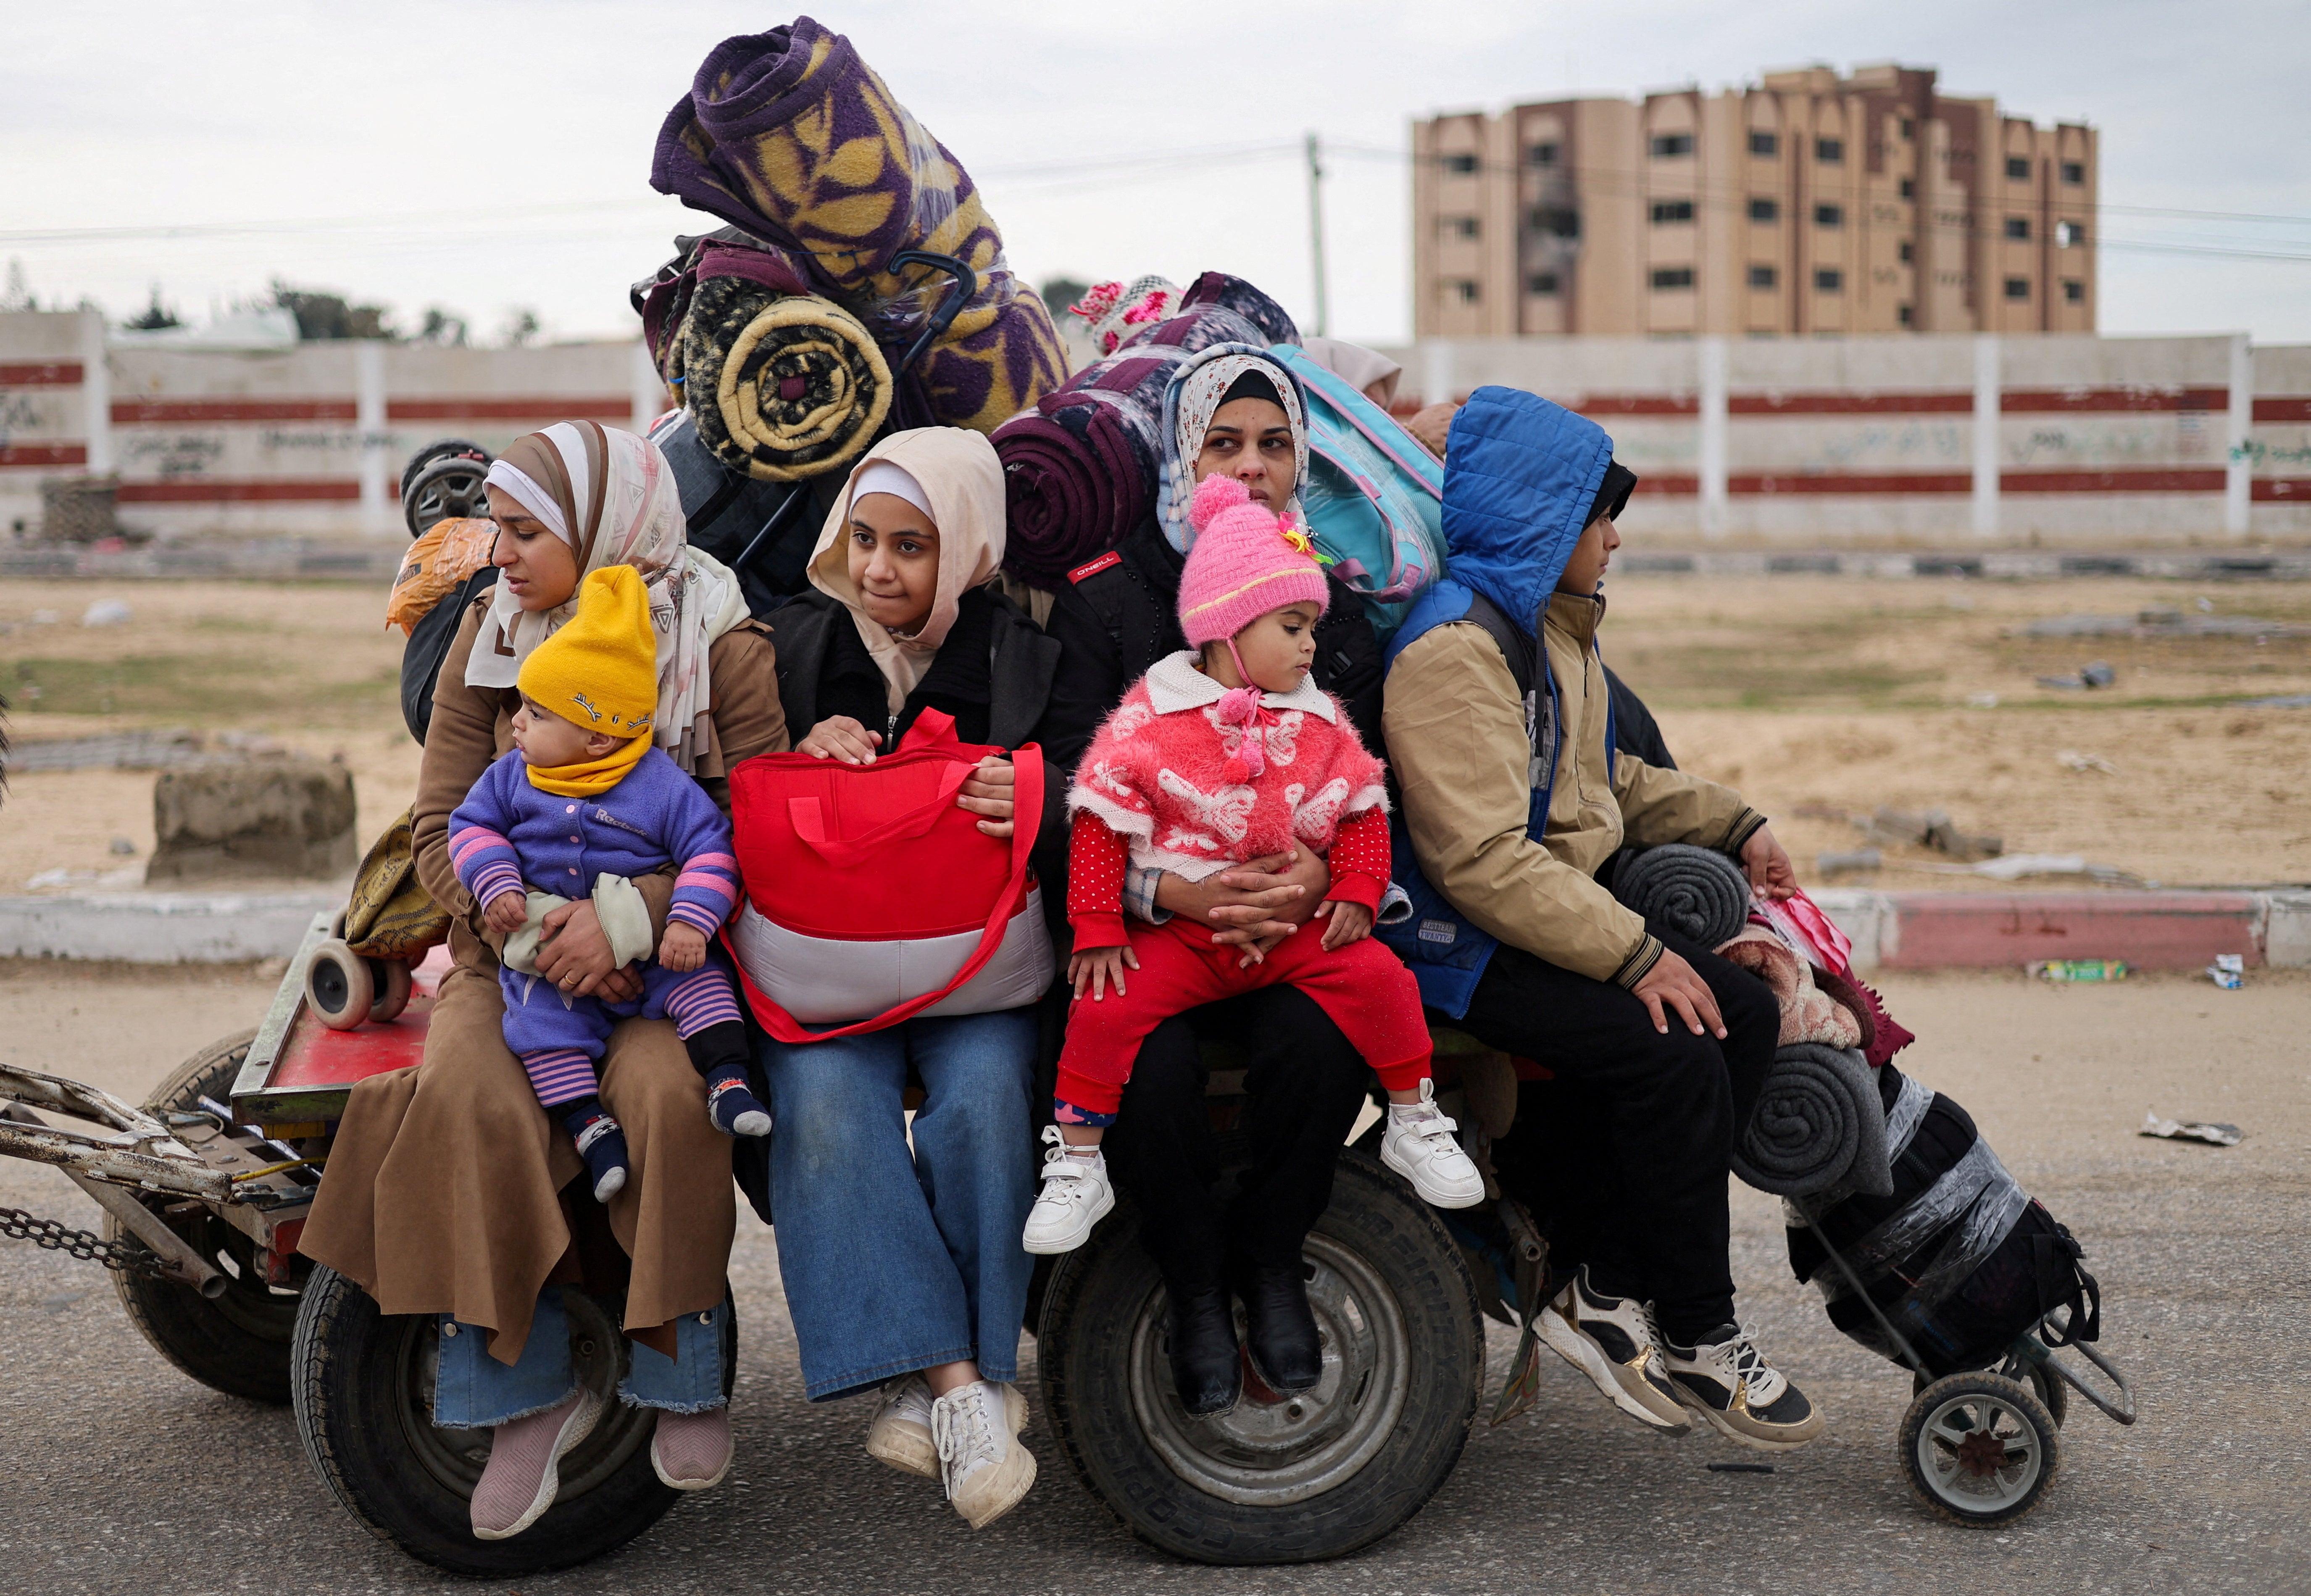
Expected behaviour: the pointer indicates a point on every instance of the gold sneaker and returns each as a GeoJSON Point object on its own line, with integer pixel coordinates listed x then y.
{"type": "Point", "coordinates": [1728, 1381]}
{"type": "Point", "coordinates": [1613, 1340]}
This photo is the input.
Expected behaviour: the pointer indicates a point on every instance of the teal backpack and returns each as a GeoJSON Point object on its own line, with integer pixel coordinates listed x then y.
{"type": "Point", "coordinates": [1374, 498]}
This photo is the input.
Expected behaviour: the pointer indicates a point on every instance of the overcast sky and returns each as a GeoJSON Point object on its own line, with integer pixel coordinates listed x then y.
{"type": "Point", "coordinates": [495, 154]}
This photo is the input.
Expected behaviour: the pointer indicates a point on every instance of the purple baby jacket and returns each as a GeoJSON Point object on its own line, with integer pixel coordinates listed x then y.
{"type": "Point", "coordinates": [508, 834]}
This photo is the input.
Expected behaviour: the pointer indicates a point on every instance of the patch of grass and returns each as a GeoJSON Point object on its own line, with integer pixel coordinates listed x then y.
{"type": "Point", "coordinates": [1709, 676]}
{"type": "Point", "coordinates": [187, 685]}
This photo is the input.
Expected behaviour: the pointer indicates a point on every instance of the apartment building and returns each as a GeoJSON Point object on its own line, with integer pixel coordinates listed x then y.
{"type": "Point", "coordinates": [1808, 204]}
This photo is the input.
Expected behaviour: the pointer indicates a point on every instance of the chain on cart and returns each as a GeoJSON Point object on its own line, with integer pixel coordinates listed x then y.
{"type": "Point", "coordinates": [126, 1257]}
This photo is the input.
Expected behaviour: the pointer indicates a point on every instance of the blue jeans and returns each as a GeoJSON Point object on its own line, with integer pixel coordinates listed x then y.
{"type": "Point", "coordinates": [474, 1391]}
{"type": "Point", "coordinates": [895, 1262]}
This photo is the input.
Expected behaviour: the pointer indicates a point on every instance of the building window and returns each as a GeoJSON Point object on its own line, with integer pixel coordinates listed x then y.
{"type": "Point", "coordinates": [2017, 168]}
{"type": "Point", "coordinates": [1830, 280]}
{"type": "Point", "coordinates": [1902, 314]}
{"type": "Point", "coordinates": [1459, 227]}
{"type": "Point", "coordinates": [2017, 227]}
{"type": "Point", "coordinates": [1667, 145]}
{"type": "Point", "coordinates": [1541, 283]}
{"type": "Point", "coordinates": [1765, 209]}
{"type": "Point", "coordinates": [1764, 143]}
{"type": "Point", "coordinates": [1544, 155]}
{"type": "Point", "coordinates": [1557, 222]}
{"type": "Point", "coordinates": [1902, 253]}
{"type": "Point", "coordinates": [2069, 233]}
{"type": "Point", "coordinates": [2074, 292]}
{"type": "Point", "coordinates": [1763, 276]}
{"type": "Point", "coordinates": [1828, 216]}
{"type": "Point", "coordinates": [1463, 289]}
{"type": "Point", "coordinates": [2074, 171]}
{"type": "Point", "coordinates": [1829, 152]}
{"type": "Point", "coordinates": [1672, 210]}
{"type": "Point", "coordinates": [1906, 130]}
{"type": "Point", "coordinates": [2018, 288]}
{"type": "Point", "coordinates": [1461, 166]}
{"type": "Point", "coordinates": [1909, 189]}
{"type": "Point", "coordinates": [1672, 277]}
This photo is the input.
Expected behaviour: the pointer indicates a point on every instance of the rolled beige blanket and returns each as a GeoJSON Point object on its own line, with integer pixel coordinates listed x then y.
{"type": "Point", "coordinates": [783, 386]}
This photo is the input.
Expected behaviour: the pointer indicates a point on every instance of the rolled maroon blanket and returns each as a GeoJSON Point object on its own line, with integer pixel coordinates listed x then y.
{"type": "Point", "coordinates": [1079, 469]}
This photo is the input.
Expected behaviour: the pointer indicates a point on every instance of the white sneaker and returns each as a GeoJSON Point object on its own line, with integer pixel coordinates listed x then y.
{"type": "Point", "coordinates": [985, 1469]}
{"type": "Point", "coordinates": [1076, 1197]}
{"type": "Point", "coordinates": [899, 1432]}
{"type": "Point", "coordinates": [1419, 1146]}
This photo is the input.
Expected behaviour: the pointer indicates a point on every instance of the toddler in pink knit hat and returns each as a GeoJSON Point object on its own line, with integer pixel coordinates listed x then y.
{"type": "Point", "coordinates": [1222, 753]}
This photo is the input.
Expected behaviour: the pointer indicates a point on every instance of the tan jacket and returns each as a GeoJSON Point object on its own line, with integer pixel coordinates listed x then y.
{"type": "Point", "coordinates": [473, 726]}
{"type": "Point", "coordinates": [1457, 743]}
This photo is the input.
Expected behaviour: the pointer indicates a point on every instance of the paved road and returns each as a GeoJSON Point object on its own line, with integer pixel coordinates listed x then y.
{"type": "Point", "coordinates": [118, 1474]}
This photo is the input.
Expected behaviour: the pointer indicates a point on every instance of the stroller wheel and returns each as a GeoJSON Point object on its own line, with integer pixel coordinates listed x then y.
{"type": "Point", "coordinates": [390, 979]}
{"type": "Point", "coordinates": [339, 986]}
{"type": "Point", "coordinates": [1979, 1449]}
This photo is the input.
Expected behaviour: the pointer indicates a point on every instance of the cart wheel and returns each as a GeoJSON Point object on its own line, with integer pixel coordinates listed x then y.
{"type": "Point", "coordinates": [390, 980]}
{"type": "Point", "coordinates": [1979, 1449]}
{"type": "Point", "coordinates": [455, 486]}
{"type": "Point", "coordinates": [364, 1390]}
{"type": "Point", "coordinates": [237, 1343]}
{"type": "Point", "coordinates": [2052, 1393]}
{"type": "Point", "coordinates": [440, 449]}
{"type": "Point", "coordinates": [1288, 1480]}
{"type": "Point", "coordinates": [339, 986]}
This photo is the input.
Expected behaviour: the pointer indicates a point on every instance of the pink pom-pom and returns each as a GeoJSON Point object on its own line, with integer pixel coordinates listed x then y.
{"type": "Point", "coordinates": [1213, 494]}
{"type": "Point", "coordinates": [1097, 302]}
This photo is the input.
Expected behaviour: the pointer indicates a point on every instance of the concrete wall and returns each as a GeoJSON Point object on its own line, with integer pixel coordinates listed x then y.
{"type": "Point", "coordinates": [1846, 442]}
{"type": "Point", "coordinates": [304, 440]}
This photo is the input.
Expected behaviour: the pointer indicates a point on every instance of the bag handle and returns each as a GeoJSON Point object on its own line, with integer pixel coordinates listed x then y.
{"type": "Point", "coordinates": [809, 818]}
{"type": "Point", "coordinates": [1027, 819]}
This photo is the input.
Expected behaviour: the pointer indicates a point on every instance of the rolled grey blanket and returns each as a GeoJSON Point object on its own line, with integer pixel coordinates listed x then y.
{"type": "Point", "coordinates": [1698, 891]}
{"type": "Point", "coordinates": [1819, 1123]}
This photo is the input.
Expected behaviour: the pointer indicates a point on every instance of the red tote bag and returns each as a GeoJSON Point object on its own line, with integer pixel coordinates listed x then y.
{"type": "Point", "coordinates": [865, 884]}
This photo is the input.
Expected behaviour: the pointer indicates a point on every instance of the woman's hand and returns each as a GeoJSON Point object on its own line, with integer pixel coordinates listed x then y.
{"type": "Point", "coordinates": [506, 912]}
{"type": "Point", "coordinates": [1771, 874]}
{"type": "Point", "coordinates": [839, 736]}
{"type": "Point", "coordinates": [1255, 904]}
{"type": "Point", "coordinates": [1092, 969]}
{"type": "Point", "coordinates": [1350, 922]}
{"type": "Point", "coordinates": [987, 790]}
{"type": "Point", "coordinates": [575, 956]}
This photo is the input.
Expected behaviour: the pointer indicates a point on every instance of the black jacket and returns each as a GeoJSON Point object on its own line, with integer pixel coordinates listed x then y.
{"type": "Point", "coordinates": [1119, 615]}
{"type": "Point", "coordinates": [727, 512]}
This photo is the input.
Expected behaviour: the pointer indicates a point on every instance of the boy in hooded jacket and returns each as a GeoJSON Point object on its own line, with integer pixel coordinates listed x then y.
{"type": "Point", "coordinates": [1497, 718]}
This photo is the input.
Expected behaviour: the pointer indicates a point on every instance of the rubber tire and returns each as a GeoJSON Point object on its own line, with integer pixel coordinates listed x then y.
{"type": "Point", "coordinates": [1084, 1343]}
{"type": "Point", "coordinates": [339, 988]}
{"type": "Point", "coordinates": [238, 1343]}
{"type": "Point", "coordinates": [349, 1399]}
{"type": "Point", "coordinates": [390, 978]}
{"type": "Point", "coordinates": [2052, 1393]}
{"type": "Point", "coordinates": [440, 449]}
{"type": "Point", "coordinates": [422, 506]}
{"type": "Point", "coordinates": [2015, 1395]}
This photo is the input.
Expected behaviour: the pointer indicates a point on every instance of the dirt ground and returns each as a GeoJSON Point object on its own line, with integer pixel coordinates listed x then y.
{"type": "Point", "coordinates": [1816, 695]}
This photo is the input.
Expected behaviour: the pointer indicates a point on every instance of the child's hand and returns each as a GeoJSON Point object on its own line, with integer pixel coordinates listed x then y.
{"type": "Point", "coordinates": [506, 912]}
{"type": "Point", "coordinates": [683, 948]}
{"type": "Point", "coordinates": [1349, 922]}
{"type": "Point", "coordinates": [1092, 969]}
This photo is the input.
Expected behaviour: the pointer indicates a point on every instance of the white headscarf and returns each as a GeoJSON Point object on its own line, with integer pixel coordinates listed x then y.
{"type": "Point", "coordinates": [1190, 399]}
{"type": "Point", "coordinates": [611, 496]}
{"type": "Point", "coordinates": [958, 482]}
{"type": "Point", "coordinates": [1360, 366]}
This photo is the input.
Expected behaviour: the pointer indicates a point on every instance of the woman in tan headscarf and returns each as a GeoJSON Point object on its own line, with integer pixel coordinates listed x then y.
{"type": "Point", "coordinates": [901, 1263]}
{"type": "Point", "coordinates": [448, 1189]}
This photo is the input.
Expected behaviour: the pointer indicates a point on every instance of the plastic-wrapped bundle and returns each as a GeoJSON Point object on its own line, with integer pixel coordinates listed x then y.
{"type": "Point", "coordinates": [1233, 294]}
{"type": "Point", "coordinates": [1957, 1255]}
{"type": "Point", "coordinates": [791, 136]}
{"type": "Point", "coordinates": [782, 387]}
{"type": "Point", "coordinates": [1698, 891]}
{"type": "Point", "coordinates": [1818, 1123]}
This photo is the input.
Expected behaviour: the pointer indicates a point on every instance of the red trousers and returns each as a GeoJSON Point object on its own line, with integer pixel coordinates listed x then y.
{"type": "Point", "coordinates": [1365, 989]}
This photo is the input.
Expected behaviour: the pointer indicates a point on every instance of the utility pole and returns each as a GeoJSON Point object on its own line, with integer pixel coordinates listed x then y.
{"type": "Point", "coordinates": [1316, 231]}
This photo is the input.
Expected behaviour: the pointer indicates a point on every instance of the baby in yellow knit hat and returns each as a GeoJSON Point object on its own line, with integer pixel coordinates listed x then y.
{"type": "Point", "coordinates": [582, 805]}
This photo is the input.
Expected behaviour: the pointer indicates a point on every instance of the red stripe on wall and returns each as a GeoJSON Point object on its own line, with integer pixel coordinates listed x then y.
{"type": "Point", "coordinates": [40, 374]}
{"type": "Point", "coordinates": [1671, 485]}
{"type": "Point", "coordinates": [1636, 405]}
{"type": "Point", "coordinates": [209, 490]}
{"type": "Point", "coordinates": [2034, 401]}
{"type": "Point", "coordinates": [1760, 485]}
{"type": "Point", "coordinates": [1852, 404]}
{"type": "Point", "coordinates": [180, 412]}
{"type": "Point", "coordinates": [43, 454]}
{"type": "Point", "coordinates": [2289, 407]}
{"type": "Point", "coordinates": [2111, 482]}
{"type": "Point", "coordinates": [542, 407]}
{"type": "Point", "coordinates": [2281, 489]}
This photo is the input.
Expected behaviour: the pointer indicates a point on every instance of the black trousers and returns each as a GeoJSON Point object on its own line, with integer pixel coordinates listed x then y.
{"type": "Point", "coordinates": [1623, 1156]}
{"type": "Point", "coordinates": [1306, 1085]}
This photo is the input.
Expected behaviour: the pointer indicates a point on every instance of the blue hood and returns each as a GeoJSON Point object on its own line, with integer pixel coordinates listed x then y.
{"type": "Point", "coordinates": [1519, 474]}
